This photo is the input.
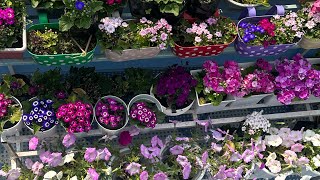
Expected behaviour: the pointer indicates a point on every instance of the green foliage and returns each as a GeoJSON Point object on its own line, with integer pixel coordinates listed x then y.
{"type": "Point", "coordinates": [169, 6]}
{"type": "Point", "coordinates": [224, 25]}
{"type": "Point", "coordinates": [94, 84]}
{"type": "Point", "coordinates": [13, 86]}
{"type": "Point", "coordinates": [48, 83]}
{"type": "Point", "coordinates": [13, 115]}
{"type": "Point", "coordinates": [139, 80]}
{"type": "Point", "coordinates": [47, 4]}
{"type": "Point", "coordinates": [11, 34]}
{"type": "Point", "coordinates": [82, 19]}
{"type": "Point", "coordinates": [260, 2]}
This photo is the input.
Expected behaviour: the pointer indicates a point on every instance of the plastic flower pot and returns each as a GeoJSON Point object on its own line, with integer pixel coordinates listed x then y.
{"type": "Point", "coordinates": [59, 59]}
{"type": "Point", "coordinates": [16, 53]}
{"type": "Point", "coordinates": [250, 100]}
{"type": "Point", "coordinates": [307, 171]}
{"type": "Point", "coordinates": [145, 98]}
{"type": "Point", "coordinates": [253, 51]}
{"type": "Point", "coordinates": [101, 127]}
{"type": "Point", "coordinates": [262, 173]}
{"type": "Point", "coordinates": [200, 174]}
{"type": "Point", "coordinates": [131, 54]}
{"type": "Point", "coordinates": [201, 108]}
{"type": "Point", "coordinates": [308, 43]}
{"type": "Point", "coordinates": [168, 111]}
{"type": "Point", "coordinates": [13, 129]}
{"type": "Point", "coordinates": [199, 51]}
{"type": "Point", "coordinates": [42, 134]}
{"type": "Point", "coordinates": [236, 5]}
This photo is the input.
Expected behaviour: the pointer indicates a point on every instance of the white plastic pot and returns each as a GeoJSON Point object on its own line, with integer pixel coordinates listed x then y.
{"type": "Point", "coordinates": [131, 54]}
{"type": "Point", "coordinates": [249, 101]}
{"type": "Point", "coordinates": [237, 5]}
{"type": "Point", "coordinates": [18, 126]}
{"type": "Point", "coordinates": [109, 131]}
{"type": "Point", "coordinates": [168, 111]}
{"type": "Point", "coordinates": [261, 173]}
{"type": "Point", "coordinates": [307, 171]}
{"type": "Point", "coordinates": [307, 43]}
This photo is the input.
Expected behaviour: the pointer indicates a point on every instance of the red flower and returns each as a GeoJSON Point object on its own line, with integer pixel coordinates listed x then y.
{"type": "Point", "coordinates": [125, 138]}
{"type": "Point", "coordinates": [110, 2]}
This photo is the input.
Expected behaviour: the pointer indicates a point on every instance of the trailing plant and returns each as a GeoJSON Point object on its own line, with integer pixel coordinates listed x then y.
{"type": "Point", "coordinates": [11, 23]}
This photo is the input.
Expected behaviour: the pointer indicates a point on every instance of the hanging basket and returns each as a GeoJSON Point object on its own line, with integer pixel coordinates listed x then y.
{"type": "Point", "coordinates": [307, 43]}
{"type": "Point", "coordinates": [257, 51]}
{"type": "Point", "coordinates": [16, 53]}
{"type": "Point", "coordinates": [132, 54]}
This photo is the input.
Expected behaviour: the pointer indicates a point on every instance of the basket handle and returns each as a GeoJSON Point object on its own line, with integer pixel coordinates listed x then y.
{"type": "Point", "coordinates": [276, 10]}
{"type": "Point", "coordinates": [43, 17]}
{"type": "Point", "coordinates": [248, 12]}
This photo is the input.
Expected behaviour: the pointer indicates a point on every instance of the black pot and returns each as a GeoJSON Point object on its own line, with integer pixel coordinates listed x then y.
{"type": "Point", "coordinates": [202, 10]}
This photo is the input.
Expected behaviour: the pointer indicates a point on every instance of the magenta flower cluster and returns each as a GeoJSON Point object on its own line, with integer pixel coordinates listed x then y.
{"type": "Point", "coordinates": [296, 79]}
{"type": "Point", "coordinates": [110, 113]}
{"type": "Point", "coordinates": [175, 86]}
{"type": "Point", "coordinates": [227, 80]}
{"type": "Point", "coordinates": [4, 104]}
{"type": "Point", "coordinates": [143, 114]}
{"type": "Point", "coordinates": [261, 80]}
{"type": "Point", "coordinates": [76, 116]}
{"type": "Point", "coordinates": [6, 16]}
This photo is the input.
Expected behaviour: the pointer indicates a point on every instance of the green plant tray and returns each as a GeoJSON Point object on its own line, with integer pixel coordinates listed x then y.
{"type": "Point", "coordinates": [59, 59]}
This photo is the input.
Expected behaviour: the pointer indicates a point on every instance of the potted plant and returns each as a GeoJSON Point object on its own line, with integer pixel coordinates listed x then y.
{"type": "Point", "coordinates": [75, 113]}
{"type": "Point", "coordinates": [248, 3]}
{"type": "Point", "coordinates": [170, 10]}
{"type": "Point", "coordinates": [39, 116]}
{"type": "Point", "coordinates": [13, 29]}
{"type": "Point", "coordinates": [217, 86]}
{"type": "Point", "coordinates": [49, 46]}
{"type": "Point", "coordinates": [310, 13]}
{"type": "Point", "coordinates": [269, 34]}
{"type": "Point", "coordinates": [16, 85]}
{"type": "Point", "coordinates": [145, 111]}
{"type": "Point", "coordinates": [111, 114]}
{"type": "Point", "coordinates": [296, 80]}
{"type": "Point", "coordinates": [202, 9]}
{"type": "Point", "coordinates": [128, 40]}
{"type": "Point", "coordinates": [257, 84]}
{"type": "Point", "coordinates": [203, 38]}
{"type": "Point", "coordinates": [173, 89]}
{"type": "Point", "coordinates": [10, 115]}
{"type": "Point", "coordinates": [139, 81]}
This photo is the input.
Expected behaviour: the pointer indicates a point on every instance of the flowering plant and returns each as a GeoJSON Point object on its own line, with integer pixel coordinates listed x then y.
{"type": "Point", "coordinates": [311, 16]}
{"type": "Point", "coordinates": [271, 31]}
{"type": "Point", "coordinates": [15, 86]}
{"type": "Point", "coordinates": [213, 31]}
{"type": "Point", "coordinates": [116, 34]}
{"type": "Point", "coordinates": [10, 112]}
{"type": "Point", "coordinates": [110, 113]}
{"type": "Point", "coordinates": [79, 14]}
{"type": "Point", "coordinates": [216, 83]}
{"type": "Point", "coordinates": [173, 88]}
{"type": "Point", "coordinates": [258, 78]}
{"type": "Point", "coordinates": [12, 14]}
{"type": "Point", "coordinates": [143, 115]}
{"type": "Point", "coordinates": [296, 80]}
{"type": "Point", "coordinates": [169, 7]}
{"type": "Point", "coordinates": [41, 116]}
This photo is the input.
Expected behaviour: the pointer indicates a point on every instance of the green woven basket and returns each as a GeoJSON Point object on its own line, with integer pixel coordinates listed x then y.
{"type": "Point", "coordinates": [58, 59]}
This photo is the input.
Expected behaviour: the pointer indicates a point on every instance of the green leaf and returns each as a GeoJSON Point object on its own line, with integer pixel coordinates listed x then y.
{"type": "Point", "coordinates": [2, 125]}
{"type": "Point", "coordinates": [16, 116]}
{"type": "Point", "coordinates": [34, 3]}
{"type": "Point", "coordinates": [96, 6]}
{"type": "Point", "coordinates": [85, 22]}
{"type": "Point", "coordinates": [65, 23]}
{"type": "Point", "coordinates": [171, 8]}
{"type": "Point", "coordinates": [35, 128]}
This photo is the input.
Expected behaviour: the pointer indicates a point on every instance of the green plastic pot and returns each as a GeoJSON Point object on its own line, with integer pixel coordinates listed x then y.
{"type": "Point", "coordinates": [58, 59]}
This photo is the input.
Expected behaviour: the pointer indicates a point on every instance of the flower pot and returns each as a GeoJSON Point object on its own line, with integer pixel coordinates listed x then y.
{"type": "Point", "coordinates": [307, 171]}
{"type": "Point", "coordinates": [16, 127]}
{"type": "Point", "coordinates": [131, 54]}
{"type": "Point", "coordinates": [261, 173]}
{"type": "Point", "coordinates": [307, 43]}
{"type": "Point", "coordinates": [59, 59]}
{"type": "Point", "coordinates": [200, 174]}
{"type": "Point", "coordinates": [237, 5]}
{"type": "Point", "coordinates": [208, 107]}
{"type": "Point", "coordinates": [168, 111]}
{"type": "Point", "coordinates": [249, 101]}
{"type": "Point", "coordinates": [110, 131]}
{"type": "Point", "coordinates": [16, 53]}
{"type": "Point", "coordinates": [259, 51]}
{"type": "Point", "coordinates": [202, 10]}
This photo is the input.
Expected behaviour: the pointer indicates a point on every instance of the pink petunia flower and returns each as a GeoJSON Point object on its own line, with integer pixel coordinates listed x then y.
{"type": "Point", "coordinates": [55, 160]}
{"type": "Point", "coordinates": [160, 176]}
{"type": "Point", "coordinates": [90, 154]}
{"type": "Point", "coordinates": [93, 174]}
{"type": "Point", "coordinates": [133, 168]}
{"type": "Point", "coordinates": [144, 175]}
{"type": "Point", "coordinates": [68, 140]}
{"type": "Point", "coordinates": [176, 150]}
{"type": "Point", "coordinates": [33, 143]}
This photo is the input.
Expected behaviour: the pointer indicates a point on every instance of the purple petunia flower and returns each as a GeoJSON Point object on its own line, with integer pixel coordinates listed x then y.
{"type": "Point", "coordinates": [79, 5]}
